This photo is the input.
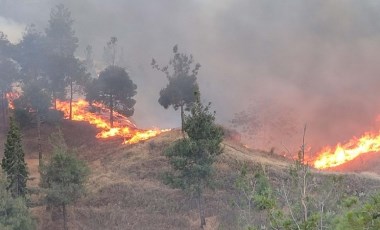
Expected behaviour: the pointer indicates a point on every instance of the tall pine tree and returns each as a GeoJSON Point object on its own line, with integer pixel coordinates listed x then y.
{"type": "Point", "coordinates": [14, 213]}
{"type": "Point", "coordinates": [192, 157]}
{"type": "Point", "coordinates": [64, 177]}
{"type": "Point", "coordinates": [13, 163]}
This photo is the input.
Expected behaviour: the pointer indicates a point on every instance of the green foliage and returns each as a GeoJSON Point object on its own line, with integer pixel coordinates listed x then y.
{"type": "Point", "coordinates": [14, 214]}
{"type": "Point", "coordinates": [13, 163]}
{"type": "Point", "coordinates": [280, 219]}
{"type": "Point", "coordinates": [322, 194]}
{"type": "Point", "coordinates": [92, 90]}
{"type": "Point", "coordinates": [254, 195]}
{"type": "Point", "coordinates": [182, 77]}
{"type": "Point", "coordinates": [367, 216]}
{"type": "Point", "coordinates": [62, 67]}
{"type": "Point", "coordinates": [9, 73]}
{"type": "Point", "coordinates": [35, 98]}
{"type": "Point", "coordinates": [178, 92]}
{"type": "Point", "coordinates": [192, 157]}
{"type": "Point", "coordinates": [117, 90]}
{"type": "Point", "coordinates": [31, 54]}
{"type": "Point", "coordinates": [60, 34]}
{"type": "Point", "coordinates": [350, 202]}
{"type": "Point", "coordinates": [57, 67]}
{"type": "Point", "coordinates": [255, 188]}
{"type": "Point", "coordinates": [264, 197]}
{"type": "Point", "coordinates": [64, 175]}
{"type": "Point", "coordinates": [64, 71]}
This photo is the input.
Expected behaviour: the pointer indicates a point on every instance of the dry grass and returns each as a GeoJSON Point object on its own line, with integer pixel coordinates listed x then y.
{"type": "Point", "coordinates": [125, 190]}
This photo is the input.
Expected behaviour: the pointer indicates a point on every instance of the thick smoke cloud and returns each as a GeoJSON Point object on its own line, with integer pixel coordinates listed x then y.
{"type": "Point", "coordinates": [318, 59]}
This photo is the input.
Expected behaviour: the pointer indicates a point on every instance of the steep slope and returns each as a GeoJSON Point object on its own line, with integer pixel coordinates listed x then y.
{"type": "Point", "coordinates": [125, 189]}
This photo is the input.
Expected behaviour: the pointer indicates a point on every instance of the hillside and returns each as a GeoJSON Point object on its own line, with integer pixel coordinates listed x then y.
{"type": "Point", "coordinates": [125, 189]}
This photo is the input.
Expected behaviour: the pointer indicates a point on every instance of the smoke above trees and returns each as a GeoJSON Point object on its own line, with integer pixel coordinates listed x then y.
{"type": "Point", "coordinates": [317, 59]}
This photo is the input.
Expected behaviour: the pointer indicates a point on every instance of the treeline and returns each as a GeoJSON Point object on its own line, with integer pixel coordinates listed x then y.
{"type": "Point", "coordinates": [43, 66]}
{"type": "Point", "coordinates": [62, 181]}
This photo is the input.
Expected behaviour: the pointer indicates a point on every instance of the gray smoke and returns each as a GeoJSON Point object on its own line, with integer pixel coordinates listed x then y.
{"type": "Point", "coordinates": [316, 58]}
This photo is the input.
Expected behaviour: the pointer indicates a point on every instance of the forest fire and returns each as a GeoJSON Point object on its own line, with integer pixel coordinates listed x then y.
{"type": "Point", "coordinates": [11, 96]}
{"type": "Point", "coordinates": [122, 126]}
{"type": "Point", "coordinates": [98, 115]}
{"type": "Point", "coordinates": [342, 153]}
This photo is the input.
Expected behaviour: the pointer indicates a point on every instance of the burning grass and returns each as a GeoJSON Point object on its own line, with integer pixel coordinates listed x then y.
{"type": "Point", "coordinates": [123, 127]}
{"type": "Point", "coordinates": [342, 153]}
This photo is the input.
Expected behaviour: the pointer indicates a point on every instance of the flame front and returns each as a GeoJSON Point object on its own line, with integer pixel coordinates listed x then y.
{"type": "Point", "coordinates": [122, 126]}
{"type": "Point", "coordinates": [342, 153]}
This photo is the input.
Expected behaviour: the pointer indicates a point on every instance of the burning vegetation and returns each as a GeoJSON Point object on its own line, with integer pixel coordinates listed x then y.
{"type": "Point", "coordinates": [330, 157]}
{"type": "Point", "coordinates": [124, 128]}
{"type": "Point", "coordinates": [43, 75]}
{"type": "Point", "coordinates": [97, 113]}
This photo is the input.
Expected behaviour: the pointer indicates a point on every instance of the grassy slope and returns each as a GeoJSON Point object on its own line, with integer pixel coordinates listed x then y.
{"type": "Point", "coordinates": [125, 190]}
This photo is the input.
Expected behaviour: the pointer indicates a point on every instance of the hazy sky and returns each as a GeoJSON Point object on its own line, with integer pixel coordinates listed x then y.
{"type": "Point", "coordinates": [319, 58]}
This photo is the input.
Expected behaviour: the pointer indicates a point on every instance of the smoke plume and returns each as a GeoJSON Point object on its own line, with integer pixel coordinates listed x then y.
{"type": "Point", "coordinates": [318, 59]}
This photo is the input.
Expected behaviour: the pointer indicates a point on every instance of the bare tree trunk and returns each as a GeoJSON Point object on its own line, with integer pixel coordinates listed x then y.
{"type": "Point", "coordinates": [3, 109]}
{"type": "Point", "coordinates": [7, 104]}
{"type": "Point", "coordinates": [39, 138]}
{"type": "Point", "coordinates": [182, 120]}
{"type": "Point", "coordinates": [201, 210]}
{"type": "Point", "coordinates": [321, 218]}
{"type": "Point", "coordinates": [111, 110]}
{"type": "Point", "coordinates": [65, 227]}
{"type": "Point", "coordinates": [55, 100]}
{"type": "Point", "coordinates": [304, 178]}
{"type": "Point", "coordinates": [304, 197]}
{"type": "Point", "coordinates": [71, 100]}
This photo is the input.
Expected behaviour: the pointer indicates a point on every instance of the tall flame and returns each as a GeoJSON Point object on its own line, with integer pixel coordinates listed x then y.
{"type": "Point", "coordinates": [342, 153]}
{"type": "Point", "coordinates": [122, 126]}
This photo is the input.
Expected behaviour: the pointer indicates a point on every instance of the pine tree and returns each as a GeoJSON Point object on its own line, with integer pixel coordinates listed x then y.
{"type": "Point", "coordinates": [63, 177]}
{"type": "Point", "coordinates": [13, 162]}
{"type": "Point", "coordinates": [117, 91]}
{"type": "Point", "coordinates": [182, 82]}
{"type": "Point", "coordinates": [14, 213]}
{"type": "Point", "coordinates": [192, 157]}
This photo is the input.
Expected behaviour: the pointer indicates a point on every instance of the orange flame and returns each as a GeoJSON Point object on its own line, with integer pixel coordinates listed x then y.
{"type": "Point", "coordinates": [122, 126]}
{"type": "Point", "coordinates": [342, 153]}
{"type": "Point", "coordinates": [11, 96]}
